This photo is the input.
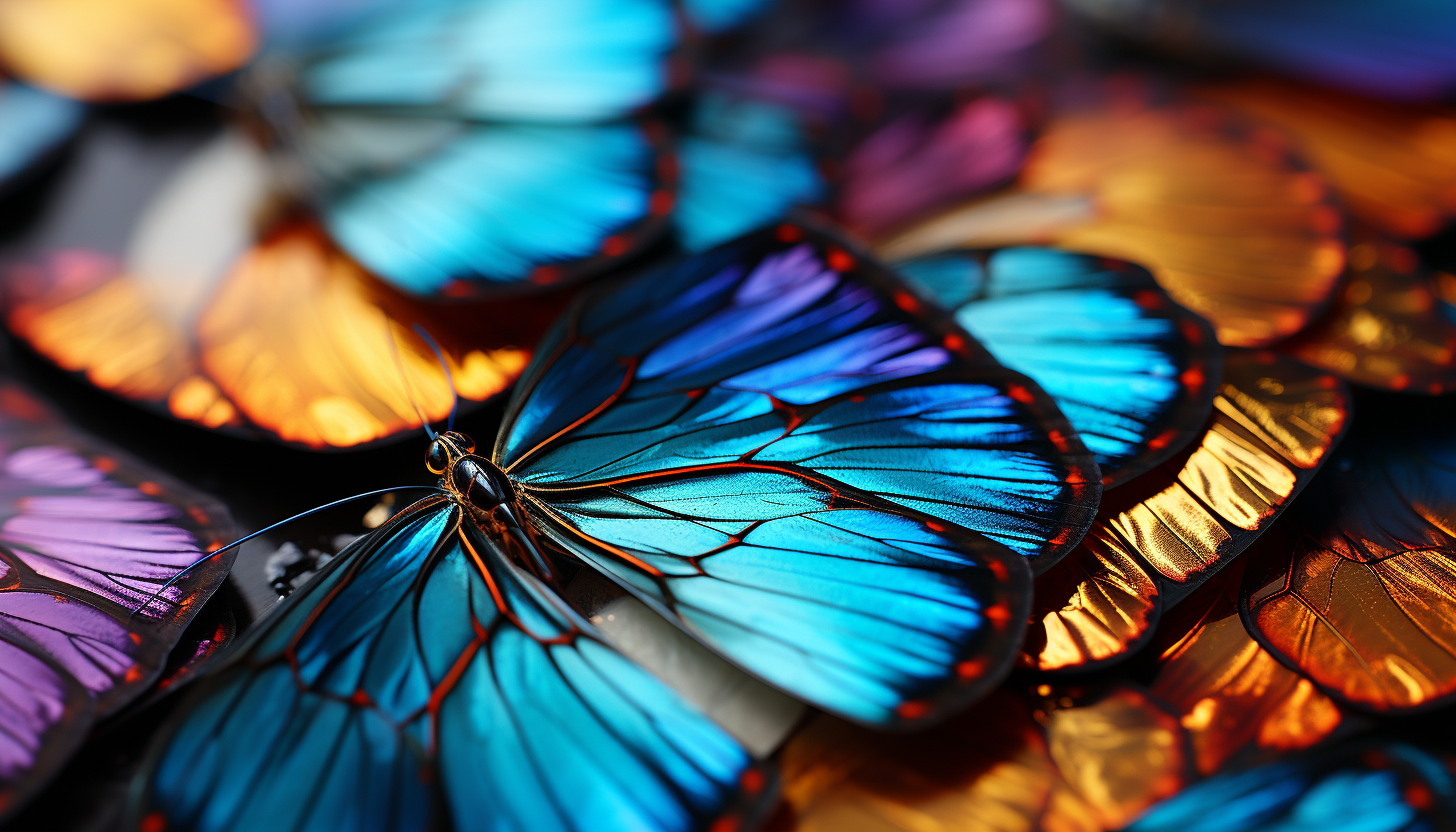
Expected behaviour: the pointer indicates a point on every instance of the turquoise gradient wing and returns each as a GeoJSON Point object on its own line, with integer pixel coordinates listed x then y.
{"type": "Point", "coordinates": [774, 444]}
{"type": "Point", "coordinates": [1134, 372]}
{"type": "Point", "coordinates": [441, 207]}
{"type": "Point", "coordinates": [424, 674]}
{"type": "Point", "coordinates": [744, 162]}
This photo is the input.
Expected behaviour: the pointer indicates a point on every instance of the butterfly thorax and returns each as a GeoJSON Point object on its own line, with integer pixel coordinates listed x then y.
{"type": "Point", "coordinates": [474, 480]}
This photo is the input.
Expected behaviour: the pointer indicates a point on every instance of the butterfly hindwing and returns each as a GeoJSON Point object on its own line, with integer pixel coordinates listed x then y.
{"type": "Point", "coordinates": [766, 423]}
{"type": "Point", "coordinates": [422, 673]}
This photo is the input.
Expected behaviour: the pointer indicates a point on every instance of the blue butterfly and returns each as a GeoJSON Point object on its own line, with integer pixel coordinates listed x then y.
{"type": "Point", "coordinates": [32, 123]}
{"type": "Point", "coordinates": [1369, 787]}
{"type": "Point", "coordinates": [1134, 372]}
{"type": "Point", "coordinates": [770, 444]}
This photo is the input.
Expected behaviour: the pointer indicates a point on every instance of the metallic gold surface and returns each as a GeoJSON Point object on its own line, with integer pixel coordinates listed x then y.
{"type": "Point", "coordinates": [1392, 326]}
{"type": "Point", "coordinates": [297, 340]}
{"type": "Point", "coordinates": [987, 770]}
{"type": "Point", "coordinates": [106, 50]}
{"type": "Point", "coordinates": [1159, 536]}
{"type": "Point", "coordinates": [1379, 634]}
{"type": "Point", "coordinates": [1120, 755]}
{"type": "Point", "coordinates": [1092, 768]}
{"type": "Point", "coordinates": [1093, 605]}
{"type": "Point", "coordinates": [1233, 698]}
{"type": "Point", "coordinates": [1393, 164]}
{"type": "Point", "coordinates": [1230, 223]}
{"type": "Point", "coordinates": [1357, 589]}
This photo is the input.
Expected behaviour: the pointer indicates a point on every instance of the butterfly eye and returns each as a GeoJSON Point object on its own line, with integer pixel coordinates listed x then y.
{"type": "Point", "coordinates": [437, 459]}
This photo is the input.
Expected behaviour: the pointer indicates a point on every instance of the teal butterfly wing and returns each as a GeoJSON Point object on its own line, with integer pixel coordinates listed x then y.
{"type": "Point", "coordinates": [777, 446]}
{"type": "Point", "coordinates": [425, 676]}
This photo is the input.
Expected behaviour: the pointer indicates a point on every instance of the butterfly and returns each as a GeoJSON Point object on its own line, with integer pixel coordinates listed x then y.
{"type": "Point", "coordinates": [103, 563]}
{"type": "Point", "coordinates": [772, 444]}
{"type": "Point", "coordinates": [1227, 217]}
{"type": "Point", "coordinates": [32, 124]}
{"type": "Point", "coordinates": [257, 326]}
{"type": "Point", "coordinates": [1352, 589]}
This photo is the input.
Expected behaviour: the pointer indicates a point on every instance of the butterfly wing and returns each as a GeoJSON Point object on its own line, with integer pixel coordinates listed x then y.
{"type": "Point", "coordinates": [1231, 223]}
{"type": "Point", "coordinates": [1275, 423]}
{"type": "Point", "coordinates": [32, 123]}
{"type": "Point", "coordinates": [99, 51]}
{"type": "Point", "coordinates": [744, 162]}
{"type": "Point", "coordinates": [763, 445]}
{"type": "Point", "coordinates": [1356, 593]}
{"type": "Point", "coordinates": [561, 61]}
{"type": "Point", "coordinates": [423, 672]}
{"type": "Point", "coordinates": [277, 334]}
{"type": "Point", "coordinates": [1364, 786]}
{"type": "Point", "coordinates": [918, 162]}
{"type": "Point", "coordinates": [475, 207]}
{"type": "Point", "coordinates": [102, 566]}
{"type": "Point", "coordinates": [44, 714]}
{"type": "Point", "coordinates": [1134, 372]}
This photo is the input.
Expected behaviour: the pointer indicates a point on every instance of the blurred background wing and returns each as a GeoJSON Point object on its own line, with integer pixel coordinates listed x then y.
{"type": "Point", "coordinates": [96, 50]}
{"type": "Point", "coordinates": [1161, 535]}
{"type": "Point", "coordinates": [1134, 372]}
{"type": "Point", "coordinates": [425, 673]}
{"type": "Point", "coordinates": [210, 307]}
{"type": "Point", "coordinates": [1400, 49]}
{"type": "Point", "coordinates": [745, 162]}
{"type": "Point", "coordinates": [1231, 224]}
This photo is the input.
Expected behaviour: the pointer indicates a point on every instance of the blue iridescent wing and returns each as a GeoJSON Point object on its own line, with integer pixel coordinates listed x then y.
{"type": "Point", "coordinates": [842, 473]}
{"type": "Point", "coordinates": [1134, 372]}
{"type": "Point", "coordinates": [1370, 787]}
{"type": "Point", "coordinates": [424, 673]}
{"type": "Point", "coordinates": [461, 147]}
{"type": "Point", "coordinates": [31, 123]}
{"type": "Point", "coordinates": [557, 61]}
{"type": "Point", "coordinates": [718, 16]}
{"type": "Point", "coordinates": [461, 209]}
{"type": "Point", "coordinates": [744, 163]}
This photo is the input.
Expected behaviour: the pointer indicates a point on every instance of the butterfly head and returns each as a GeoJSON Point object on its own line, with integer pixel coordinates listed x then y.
{"type": "Point", "coordinates": [446, 449]}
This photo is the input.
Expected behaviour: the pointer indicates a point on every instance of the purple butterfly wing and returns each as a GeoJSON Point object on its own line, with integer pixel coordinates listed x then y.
{"type": "Point", "coordinates": [95, 584]}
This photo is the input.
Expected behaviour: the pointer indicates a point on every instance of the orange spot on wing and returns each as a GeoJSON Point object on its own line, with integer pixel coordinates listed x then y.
{"type": "Point", "coordinates": [789, 233]}
{"type": "Point", "coordinates": [954, 343]}
{"type": "Point", "coordinates": [154, 822]}
{"type": "Point", "coordinates": [971, 668]}
{"type": "Point", "coordinates": [839, 260]}
{"type": "Point", "coordinates": [135, 638]}
{"type": "Point", "coordinates": [913, 709]}
{"type": "Point", "coordinates": [151, 489]}
{"type": "Point", "coordinates": [1020, 394]}
{"type": "Point", "coordinates": [752, 781]}
{"type": "Point", "coordinates": [615, 245]}
{"type": "Point", "coordinates": [104, 464]}
{"type": "Point", "coordinates": [907, 302]}
{"type": "Point", "coordinates": [661, 202]}
{"type": "Point", "coordinates": [1161, 441]}
{"type": "Point", "coordinates": [133, 674]}
{"type": "Point", "coordinates": [1192, 377]}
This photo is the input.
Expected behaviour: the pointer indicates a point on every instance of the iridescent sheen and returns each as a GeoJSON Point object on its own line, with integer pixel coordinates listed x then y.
{"type": "Point", "coordinates": [1357, 587]}
{"type": "Point", "coordinates": [103, 563]}
{"type": "Point", "coordinates": [1160, 536]}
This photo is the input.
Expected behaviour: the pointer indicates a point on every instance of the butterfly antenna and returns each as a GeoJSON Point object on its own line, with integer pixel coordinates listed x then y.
{"type": "Point", "coordinates": [409, 392]}
{"type": "Point", "coordinates": [244, 539]}
{"type": "Point", "coordinates": [444, 365]}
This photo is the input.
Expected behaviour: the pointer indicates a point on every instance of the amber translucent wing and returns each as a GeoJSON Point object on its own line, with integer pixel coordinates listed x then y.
{"type": "Point", "coordinates": [1393, 165]}
{"type": "Point", "coordinates": [1160, 536]}
{"type": "Point", "coordinates": [1357, 587]}
{"type": "Point", "coordinates": [1228, 219]}
{"type": "Point", "coordinates": [1392, 325]}
{"type": "Point", "coordinates": [102, 50]}
{"type": "Point", "coordinates": [1234, 699]}
{"type": "Point", "coordinates": [193, 311]}
{"type": "Point", "coordinates": [1091, 767]}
